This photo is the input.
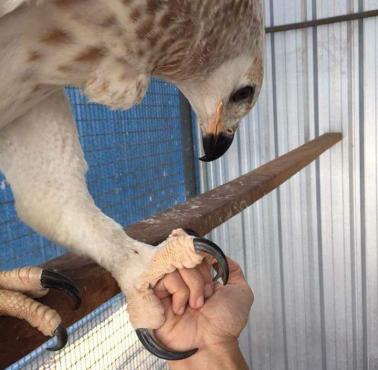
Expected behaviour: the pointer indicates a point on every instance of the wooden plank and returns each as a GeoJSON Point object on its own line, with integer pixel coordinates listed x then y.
{"type": "Point", "coordinates": [201, 214]}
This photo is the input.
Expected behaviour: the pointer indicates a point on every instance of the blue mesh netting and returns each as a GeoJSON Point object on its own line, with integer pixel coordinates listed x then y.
{"type": "Point", "coordinates": [135, 169]}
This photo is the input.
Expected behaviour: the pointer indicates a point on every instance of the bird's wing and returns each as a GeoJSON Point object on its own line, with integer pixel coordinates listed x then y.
{"type": "Point", "coordinates": [7, 6]}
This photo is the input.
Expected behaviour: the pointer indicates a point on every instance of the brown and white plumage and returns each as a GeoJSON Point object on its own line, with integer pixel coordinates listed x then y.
{"type": "Point", "coordinates": [211, 49]}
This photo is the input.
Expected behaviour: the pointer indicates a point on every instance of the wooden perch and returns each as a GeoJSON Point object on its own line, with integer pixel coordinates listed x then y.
{"type": "Point", "coordinates": [201, 214]}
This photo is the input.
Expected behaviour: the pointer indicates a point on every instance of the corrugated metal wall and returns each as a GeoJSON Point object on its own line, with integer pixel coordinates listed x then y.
{"type": "Point", "coordinates": [310, 248]}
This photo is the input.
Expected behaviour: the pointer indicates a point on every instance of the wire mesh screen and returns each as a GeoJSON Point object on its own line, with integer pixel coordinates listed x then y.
{"type": "Point", "coordinates": [136, 169]}
{"type": "Point", "coordinates": [103, 340]}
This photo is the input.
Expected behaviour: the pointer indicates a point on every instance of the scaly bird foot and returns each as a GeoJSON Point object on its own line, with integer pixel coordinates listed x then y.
{"type": "Point", "coordinates": [179, 251]}
{"type": "Point", "coordinates": [16, 288]}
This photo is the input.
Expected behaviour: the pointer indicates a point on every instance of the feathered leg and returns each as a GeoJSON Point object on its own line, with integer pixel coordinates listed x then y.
{"type": "Point", "coordinates": [41, 157]}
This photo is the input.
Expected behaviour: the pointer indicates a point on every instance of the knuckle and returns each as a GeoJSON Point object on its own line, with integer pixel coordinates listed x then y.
{"type": "Point", "coordinates": [173, 278]}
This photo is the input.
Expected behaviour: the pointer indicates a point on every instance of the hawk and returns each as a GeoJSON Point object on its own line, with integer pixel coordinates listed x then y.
{"type": "Point", "coordinates": [212, 50]}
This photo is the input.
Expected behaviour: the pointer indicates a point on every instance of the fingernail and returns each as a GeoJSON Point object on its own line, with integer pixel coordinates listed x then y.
{"type": "Point", "coordinates": [200, 302]}
{"type": "Point", "coordinates": [208, 290]}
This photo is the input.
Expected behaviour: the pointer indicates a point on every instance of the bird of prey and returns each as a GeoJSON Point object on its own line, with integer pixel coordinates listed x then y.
{"type": "Point", "coordinates": [212, 50]}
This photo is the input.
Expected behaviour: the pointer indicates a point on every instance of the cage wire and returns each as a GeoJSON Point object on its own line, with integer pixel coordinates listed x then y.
{"type": "Point", "coordinates": [104, 339]}
{"type": "Point", "coordinates": [136, 169]}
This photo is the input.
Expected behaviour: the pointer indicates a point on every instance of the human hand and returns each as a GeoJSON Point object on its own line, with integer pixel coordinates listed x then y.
{"type": "Point", "coordinates": [211, 326]}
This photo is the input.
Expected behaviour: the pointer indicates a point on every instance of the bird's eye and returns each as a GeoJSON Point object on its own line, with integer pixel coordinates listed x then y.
{"type": "Point", "coordinates": [245, 93]}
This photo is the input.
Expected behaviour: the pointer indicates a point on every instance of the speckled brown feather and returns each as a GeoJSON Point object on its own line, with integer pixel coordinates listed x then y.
{"type": "Point", "coordinates": [177, 39]}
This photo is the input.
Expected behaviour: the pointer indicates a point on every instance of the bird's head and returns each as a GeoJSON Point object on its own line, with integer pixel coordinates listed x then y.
{"type": "Point", "coordinates": [222, 99]}
{"type": "Point", "coordinates": [215, 57]}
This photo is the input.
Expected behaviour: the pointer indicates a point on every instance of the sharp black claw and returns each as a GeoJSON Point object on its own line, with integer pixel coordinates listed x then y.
{"type": "Point", "coordinates": [61, 336]}
{"type": "Point", "coordinates": [207, 246]}
{"type": "Point", "coordinates": [53, 280]}
{"type": "Point", "coordinates": [152, 345]}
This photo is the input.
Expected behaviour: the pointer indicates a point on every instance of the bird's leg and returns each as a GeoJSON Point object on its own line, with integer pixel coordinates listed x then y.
{"type": "Point", "coordinates": [41, 157]}
{"type": "Point", "coordinates": [116, 84]}
{"type": "Point", "coordinates": [42, 160]}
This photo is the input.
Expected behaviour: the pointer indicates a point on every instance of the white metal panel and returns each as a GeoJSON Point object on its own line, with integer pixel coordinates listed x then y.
{"type": "Point", "coordinates": [326, 8]}
{"type": "Point", "coordinates": [370, 4]}
{"type": "Point", "coordinates": [285, 12]}
{"type": "Point", "coordinates": [371, 181]}
{"type": "Point", "coordinates": [310, 248]}
{"type": "Point", "coordinates": [335, 104]}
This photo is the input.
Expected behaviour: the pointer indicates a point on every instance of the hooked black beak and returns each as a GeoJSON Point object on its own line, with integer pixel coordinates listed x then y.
{"type": "Point", "coordinates": [216, 145]}
{"type": "Point", "coordinates": [217, 139]}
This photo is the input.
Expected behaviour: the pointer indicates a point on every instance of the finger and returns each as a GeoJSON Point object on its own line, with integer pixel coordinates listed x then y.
{"type": "Point", "coordinates": [196, 284]}
{"type": "Point", "coordinates": [162, 294]}
{"type": "Point", "coordinates": [205, 270]}
{"type": "Point", "coordinates": [236, 273]}
{"type": "Point", "coordinates": [237, 278]}
{"type": "Point", "coordinates": [167, 304]}
{"type": "Point", "coordinates": [173, 284]}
